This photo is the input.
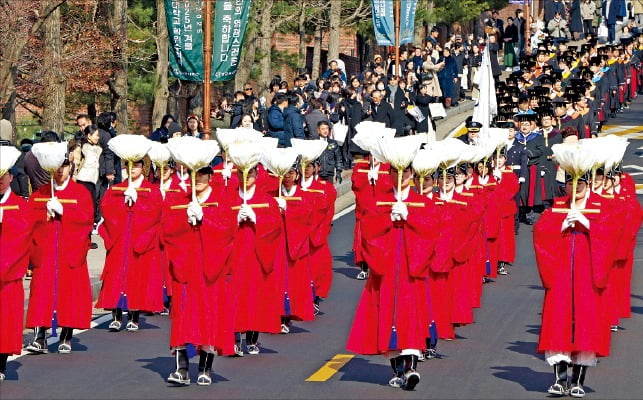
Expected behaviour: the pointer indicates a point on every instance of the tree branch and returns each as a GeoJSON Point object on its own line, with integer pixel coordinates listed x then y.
{"type": "Point", "coordinates": [50, 7]}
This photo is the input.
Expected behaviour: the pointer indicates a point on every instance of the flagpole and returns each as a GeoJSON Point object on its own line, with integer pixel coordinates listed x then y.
{"type": "Point", "coordinates": [207, 66]}
{"type": "Point", "coordinates": [397, 36]}
{"type": "Point", "coordinates": [527, 33]}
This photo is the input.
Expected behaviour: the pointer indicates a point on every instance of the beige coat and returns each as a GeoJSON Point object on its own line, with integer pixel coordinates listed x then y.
{"type": "Point", "coordinates": [637, 6]}
{"type": "Point", "coordinates": [433, 84]}
{"type": "Point", "coordinates": [89, 167]}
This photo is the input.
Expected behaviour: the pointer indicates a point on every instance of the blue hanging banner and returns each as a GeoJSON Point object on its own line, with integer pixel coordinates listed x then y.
{"type": "Point", "coordinates": [384, 22]}
{"type": "Point", "coordinates": [407, 21]}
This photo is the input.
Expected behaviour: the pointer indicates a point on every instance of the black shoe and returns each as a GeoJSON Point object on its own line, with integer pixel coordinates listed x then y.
{"type": "Point", "coordinates": [180, 377]}
{"type": "Point", "coordinates": [502, 270]}
{"type": "Point", "coordinates": [411, 379]}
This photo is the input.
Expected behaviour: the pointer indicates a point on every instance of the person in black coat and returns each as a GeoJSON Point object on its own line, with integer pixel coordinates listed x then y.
{"type": "Point", "coordinates": [422, 101]}
{"type": "Point", "coordinates": [330, 161]}
{"type": "Point", "coordinates": [381, 111]}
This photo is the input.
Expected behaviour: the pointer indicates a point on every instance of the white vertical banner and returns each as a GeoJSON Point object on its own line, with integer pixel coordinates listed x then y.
{"type": "Point", "coordinates": [486, 108]}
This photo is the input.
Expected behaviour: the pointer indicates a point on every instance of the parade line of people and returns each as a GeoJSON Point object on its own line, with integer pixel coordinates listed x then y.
{"type": "Point", "coordinates": [239, 247]}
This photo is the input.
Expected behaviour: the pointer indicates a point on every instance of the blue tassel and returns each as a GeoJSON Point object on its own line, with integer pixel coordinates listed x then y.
{"type": "Point", "coordinates": [122, 302]}
{"type": "Point", "coordinates": [286, 304]}
{"type": "Point", "coordinates": [164, 295]}
{"type": "Point", "coordinates": [392, 343]}
{"type": "Point", "coordinates": [54, 325]}
{"type": "Point", "coordinates": [488, 267]}
{"type": "Point", "coordinates": [190, 349]}
{"type": "Point", "coordinates": [433, 331]}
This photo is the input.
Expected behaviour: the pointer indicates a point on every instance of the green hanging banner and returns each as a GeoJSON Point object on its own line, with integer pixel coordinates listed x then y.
{"type": "Point", "coordinates": [230, 21]}
{"type": "Point", "coordinates": [185, 33]}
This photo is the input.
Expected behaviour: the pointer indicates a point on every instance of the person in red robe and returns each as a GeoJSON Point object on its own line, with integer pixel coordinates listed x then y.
{"type": "Point", "coordinates": [132, 276]}
{"type": "Point", "coordinates": [368, 178]}
{"type": "Point", "coordinates": [574, 246]}
{"type": "Point", "coordinates": [320, 259]}
{"type": "Point", "coordinates": [298, 209]}
{"type": "Point", "coordinates": [200, 314]}
{"type": "Point", "coordinates": [504, 198]}
{"type": "Point", "coordinates": [620, 285]}
{"type": "Point", "coordinates": [485, 183]}
{"type": "Point", "coordinates": [398, 242]}
{"type": "Point", "coordinates": [257, 300]}
{"type": "Point", "coordinates": [60, 291]}
{"type": "Point", "coordinates": [15, 229]}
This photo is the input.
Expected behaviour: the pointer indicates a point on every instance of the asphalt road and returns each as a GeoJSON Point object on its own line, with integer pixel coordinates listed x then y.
{"type": "Point", "coordinates": [493, 358]}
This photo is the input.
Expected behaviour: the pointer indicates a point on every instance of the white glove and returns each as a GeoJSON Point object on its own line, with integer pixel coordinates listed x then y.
{"type": "Point", "coordinates": [542, 173]}
{"type": "Point", "coordinates": [183, 185]}
{"type": "Point", "coordinates": [195, 213]}
{"type": "Point", "coordinates": [1, 214]}
{"type": "Point", "coordinates": [566, 224]}
{"type": "Point", "coordinates": [54, 207]}
{"type": "Point", "coordinates": [226, 173]}
{"type": "Point", "coordinates": [497, 174]}
{"type": "Point", "coordinates": [372, 175]}
{"type": "Point", "coordinates": [246, 213]}
{"type": "Point", "coordinates": [521, 179]}
{"type": "Point", "coordinates": [577, 216]}
{"type": "Point", "coordinates": [282, 203]}
{"type": "Point", "coordinates": [130, 196]}
{"type": "Point", "coordinates": [399, 212]}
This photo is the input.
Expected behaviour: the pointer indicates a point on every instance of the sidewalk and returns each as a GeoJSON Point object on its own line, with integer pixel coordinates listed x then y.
{"type": "Point", "coordinates": [345, 199]}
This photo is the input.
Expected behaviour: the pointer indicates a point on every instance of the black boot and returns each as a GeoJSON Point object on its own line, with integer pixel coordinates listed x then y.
{"type": "Point", "coordinates": [578, 380]}
{"type": "Point", "coordinates": [180, 376]}
{"type": "Point", "coordinates": [397, 364]}
{"type": "Point", "coordinates": [64, 347]}
{"type": "Point", "coordinates": [560, 387]}
{"type": "Point", "coordinates": [205, 366]}
{"type": "Point", "coordinates": [39, 345]}
{"type": "Point", "coordinates": [3, 365]}
{"type": "Point", "coordinates": [411, 376]}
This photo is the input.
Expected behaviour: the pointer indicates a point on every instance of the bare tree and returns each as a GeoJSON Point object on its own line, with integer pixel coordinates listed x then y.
{"type": "Point", "coordinates": [118, 83]}
{"type": "Point", "coordinates": [53, 113]}
{"type": "Point", "coordinates": [161, 91]}
{"type": "Point", "coordinates": [334, 29]}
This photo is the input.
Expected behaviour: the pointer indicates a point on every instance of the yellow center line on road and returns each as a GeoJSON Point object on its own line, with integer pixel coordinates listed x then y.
{"type": "Point", "coordinates": [330, 368]}
{"type": "Point", "coordinates": [613, 129]}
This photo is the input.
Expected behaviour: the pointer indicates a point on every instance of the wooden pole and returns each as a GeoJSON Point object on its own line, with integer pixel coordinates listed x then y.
{"type": "Point", "coordinates": [397, 36]}
{"type": "Point", "coordinates": [207, 66]}
{"type": "Point", "coordinates": [528, 20]}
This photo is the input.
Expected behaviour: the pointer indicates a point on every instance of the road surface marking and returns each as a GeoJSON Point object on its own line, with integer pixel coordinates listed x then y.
{"type": "Point", "coordinates": [330, 368]}
{"type": "Point", "coordinates": [635, 132]}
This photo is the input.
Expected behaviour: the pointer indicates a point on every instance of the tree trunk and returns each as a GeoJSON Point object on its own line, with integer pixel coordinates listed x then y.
{"type": "Point", "coordinates": [317, 52]}
{"type": "Point", "coordinates": [16, 41]}
{"type": "Point", "coordinates": [302, 35]}
{"type": "Point", "coordinates": [53, 113]}
{"type": "Point", "coordinates": [247, 58]}
{"type": "Point", "coordinates": [266, 30]}
{"type": "Point", "coordinates": [161, 91]}
{"type": "Point", "coordinates": [118, 83]}
{"type": "Point", "coordinates": [334, 29]}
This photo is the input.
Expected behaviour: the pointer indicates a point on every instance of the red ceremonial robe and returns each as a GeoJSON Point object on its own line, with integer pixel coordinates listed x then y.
{"type": "Point", "coordinates": [574, 268]}
{"type": "Point", "coordinates": [15, 230]}
{"type": "Point", "coordinates": [131, 234]}
{"type": "Point", "coordinates": [504, 199]}
{"type": "Point", "coordinates": [465, 279]}
{"type": "Point", "coordinates": [201, 313]}
{"type": "Point", "coordinates": [364, 192]}
{"type": "Point", "coordinates": [60, 281]}
{"type": "Point", "coordinates": [296, 280]}
{"type": "Point", "coordinates": [490, 225]}
{"type": "Point", "coordinates": [219, 184]}
{"type": "Point", "coordinates": [321, 258]}
{"type": "Point", "coordinates": [257, 301]}
{"type": "Point", "coordinates": [452, 252]}
{"type": "Point", "coordinates": [394, 296]}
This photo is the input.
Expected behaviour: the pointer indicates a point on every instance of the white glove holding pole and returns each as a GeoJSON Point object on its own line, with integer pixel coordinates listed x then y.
{"type": "Point", "coordinates": [54, 207]}
{"type": "Point", "coordinates": [283, 204]}
{"type": "Point", "coordinates": [399, 212]}
{"type": "Point", "coordinates": [497, 174]}
{"type": "Point", "coordinates": [130, 196]}
{"type": "Point", "coordinates": [521, 179]}
{"type": "Point", "coordinates": [226, 173]}
{"type": "Point", "coordinates": [372, 175]}
{"type": "Point", "coordinates": [577, 216]}
{"type": "Point", "coordinates": [195, 213]}
{"type": "Point", "coordinates": [246, 213]}
{"type": "Point", "coordinates": [183, 185]}
{"type": "Point", "coordinates": [566, 224]}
